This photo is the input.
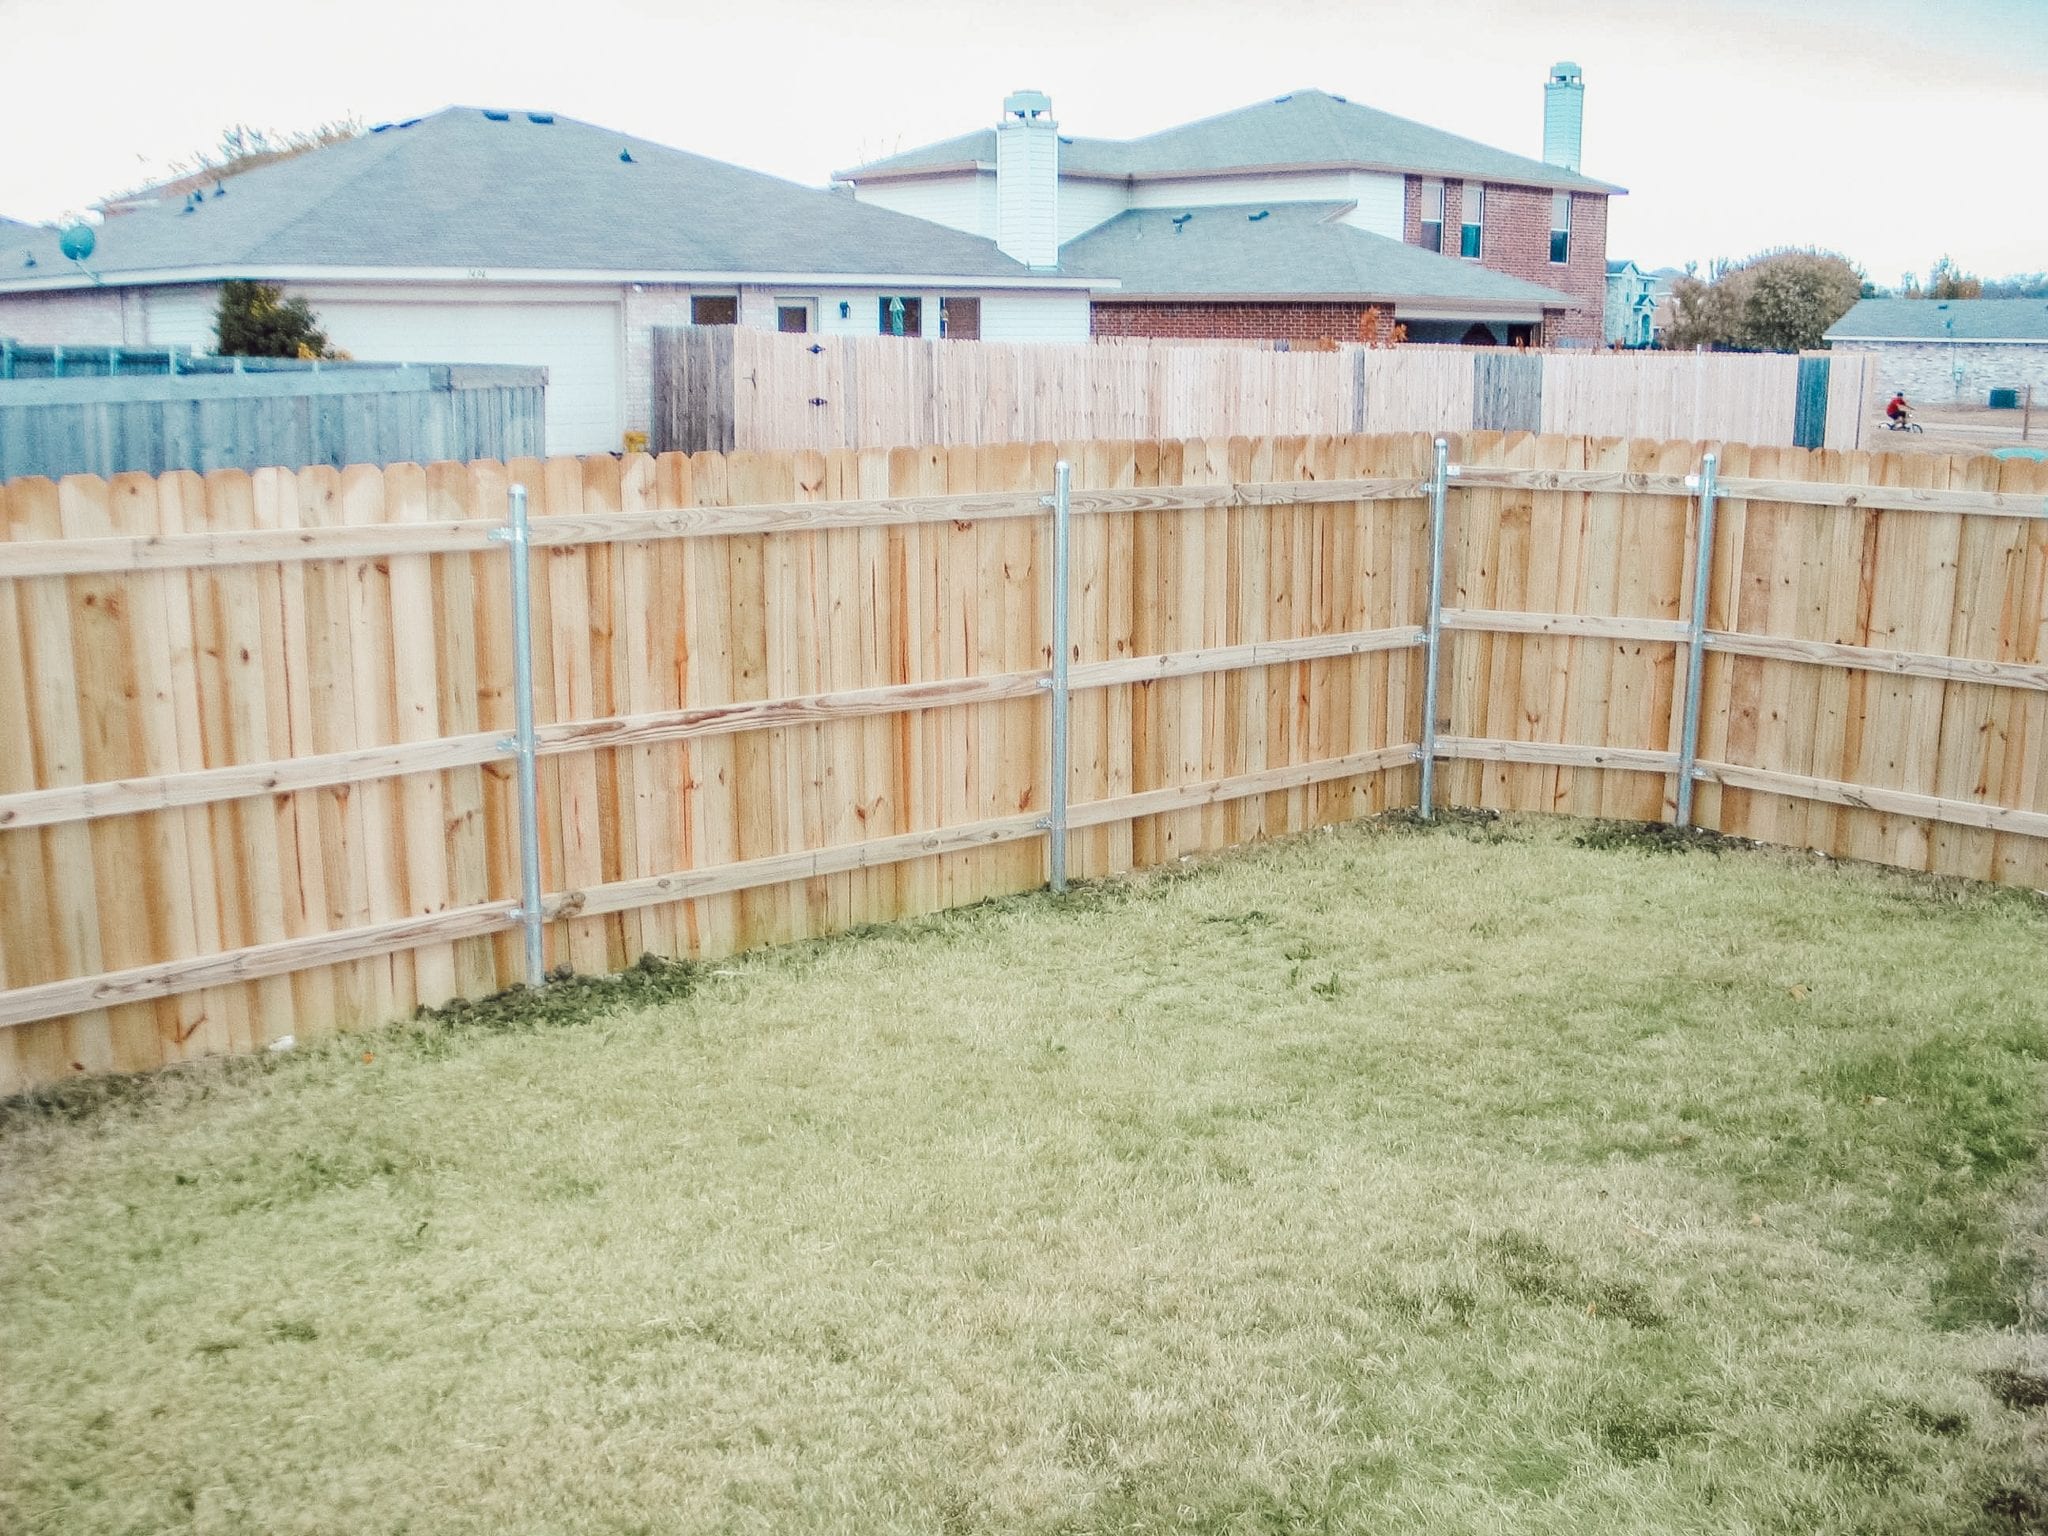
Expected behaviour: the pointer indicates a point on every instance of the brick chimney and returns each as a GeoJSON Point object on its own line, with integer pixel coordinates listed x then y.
{"type": "Point", "coordinates": [1028, 180]}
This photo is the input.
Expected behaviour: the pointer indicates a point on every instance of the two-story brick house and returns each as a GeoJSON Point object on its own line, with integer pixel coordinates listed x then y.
{"type": "Point", "coordinates": [1305, 217]}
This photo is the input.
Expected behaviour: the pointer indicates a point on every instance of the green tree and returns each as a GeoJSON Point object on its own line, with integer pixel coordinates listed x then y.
{"type": "Point", "coordinates": [1946, 280]}
{"type": "Point", "coordinates": [1703, 314]}
{"type": "Point", "coordinates": [1792, 297]}
{"type": "Point", "coordinates": [1777, 301]}
{"type": "Point", "coordinates": [2021, 285]}
{"type": "Point", "coordinates": [257, 320]}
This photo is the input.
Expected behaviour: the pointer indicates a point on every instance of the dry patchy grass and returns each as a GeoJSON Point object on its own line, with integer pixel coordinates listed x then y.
{"type": "Point", "coordinates": [1490, 1178]}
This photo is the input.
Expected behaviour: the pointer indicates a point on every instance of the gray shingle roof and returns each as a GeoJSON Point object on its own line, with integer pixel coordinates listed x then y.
{"type": "Point", "coordinates": [1923, 320]}
{"type": "Point", "coordinates": [1305, 128]}
{"type": "Point", "coordinates": [459, 189]}
{"type": "Point", "coordinates": [1291, 249]}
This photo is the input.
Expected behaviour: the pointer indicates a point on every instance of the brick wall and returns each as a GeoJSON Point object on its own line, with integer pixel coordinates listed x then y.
{"type": "Point", "coordinates": [1515, 239]}
{"type": "Point", "coordinates": [1411, 210]}
{"type": "Point", "coordinates": [647, 305]}
{"type": "Point", "coordinates": [1926, 371]}
{"type": "Point", "coordinates": [1277, 321]}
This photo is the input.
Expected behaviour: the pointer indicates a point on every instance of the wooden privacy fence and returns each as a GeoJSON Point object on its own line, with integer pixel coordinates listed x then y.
{"type": "Point", "coordinates": [255, 777]}
{"type": "Point", "coordinates": [723, 388]}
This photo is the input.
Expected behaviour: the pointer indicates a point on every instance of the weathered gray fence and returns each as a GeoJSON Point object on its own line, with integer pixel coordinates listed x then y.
{"type": "Point", "coordinates": [694, 407]}
{"type": "Point", "coordinates": [292, 419]}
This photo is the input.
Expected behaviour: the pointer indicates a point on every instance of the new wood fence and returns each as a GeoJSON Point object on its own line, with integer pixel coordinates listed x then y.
{"type": "Point", "coordinates": [254, 780]}
{"type": "Point", "coordinates": [724, 387]}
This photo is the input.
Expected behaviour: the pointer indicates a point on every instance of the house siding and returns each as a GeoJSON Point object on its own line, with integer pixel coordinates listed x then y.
{"type": "Point", "coordinates": [183, 316]}
{"type": "Point", "coordinates": [1034, 317]}
{"type": "Point", "coordinates": [966, 201]}
{"type": "Point", "coordinates": [1287, 321]}
{"type": "Point", "coordinates": [1379, 199]}
{"type": "Point", "coordinates": [73, 317]}
{"type": "Point", "coordinates": [1028, 191]}
{"type": "Point", "coordinates": [1085, 204]}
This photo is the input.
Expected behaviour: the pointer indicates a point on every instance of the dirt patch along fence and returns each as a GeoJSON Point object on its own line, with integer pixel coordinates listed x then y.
{"type": "Point", "coordinates": [255, 776]}
{"type": "Point", "coordinates": [726, 388]}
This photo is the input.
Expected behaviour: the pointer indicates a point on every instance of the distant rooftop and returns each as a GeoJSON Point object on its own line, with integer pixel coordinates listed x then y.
{"type": "Point", "coordinates": [1943, 320]}
{"type": "Point", "coordinates": [470, 188]}
{"type": "Point", "coordinates": [1282, 250]}
{"type": "Point", "coordinates": [1301, 130]}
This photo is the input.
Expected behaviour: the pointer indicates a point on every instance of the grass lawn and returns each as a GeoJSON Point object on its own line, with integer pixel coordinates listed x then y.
{"type": "Point", "coordinates": [1489, 1178]}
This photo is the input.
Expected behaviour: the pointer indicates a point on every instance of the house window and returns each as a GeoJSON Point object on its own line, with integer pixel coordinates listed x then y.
{"type": "Point", "coordinates": [902, 315]}
{"type": "Point", "coordinates": [723, 310]}
{"type": "Point", "coordinates": [1475, 219]}
{"type": "Point", "coordinates": [960, 319]}
{"type": "Point", "coordinates": [1432, 216]}
{"type": "Point", "coordinates": [795, 317]}
{"type": "Point", "coordinates": [1560, 227]}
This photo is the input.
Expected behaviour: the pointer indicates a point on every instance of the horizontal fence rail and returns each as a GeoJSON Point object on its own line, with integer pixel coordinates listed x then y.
{"type": "Point", "coordinates": [257, 757]}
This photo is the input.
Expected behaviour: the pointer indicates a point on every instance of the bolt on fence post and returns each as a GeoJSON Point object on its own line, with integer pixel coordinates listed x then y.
{"type": "Point", "coordinates": [1062, 587]}
{"type": "Point", "coordinates": [517, 534]}
{"type": "Point", "coordinates": [1696, 640]}
{"type": "Point", "coordinates": [1433, 632]}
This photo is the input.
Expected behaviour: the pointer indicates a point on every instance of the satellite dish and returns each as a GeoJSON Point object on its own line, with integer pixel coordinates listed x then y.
{"type": "Point", "coordinates": [77, 242]}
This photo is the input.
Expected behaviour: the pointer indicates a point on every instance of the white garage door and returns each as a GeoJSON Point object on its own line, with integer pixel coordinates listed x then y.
{"type": "Point", "coordinates": [578, 344]}
{"type": "Point", "coordinates": [183, 316]}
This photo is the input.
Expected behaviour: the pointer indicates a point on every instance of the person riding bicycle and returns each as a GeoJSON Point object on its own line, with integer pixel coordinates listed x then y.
{"type": "Point", "coordinates": [1898, 412]}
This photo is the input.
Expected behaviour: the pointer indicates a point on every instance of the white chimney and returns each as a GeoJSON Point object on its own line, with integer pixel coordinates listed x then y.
{"type": "Point", "coordinates": [1564, 115]}
{"type": "Point", "coordinates": [1028, 180]}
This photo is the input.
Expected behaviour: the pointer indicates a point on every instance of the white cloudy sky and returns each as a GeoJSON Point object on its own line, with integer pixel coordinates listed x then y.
{"type": "Point", "coordinates": [1892, 130]}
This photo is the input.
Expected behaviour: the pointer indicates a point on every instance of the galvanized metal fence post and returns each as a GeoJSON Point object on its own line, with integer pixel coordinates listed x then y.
{"type": "Point", "coordinates": [517, 533]}
{"type": "Point", "coordinates": [1433, 632]}
{"type": "Point", "coordinates": [1696, 639]}
{"type": "Point", "coordinates": [1062, 588]}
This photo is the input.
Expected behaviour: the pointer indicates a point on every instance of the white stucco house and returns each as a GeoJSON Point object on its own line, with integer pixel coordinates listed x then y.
{"type": "Point", "coordinates": [484, 236]}
{"type": "Point", "coordinates": [1950, 349]}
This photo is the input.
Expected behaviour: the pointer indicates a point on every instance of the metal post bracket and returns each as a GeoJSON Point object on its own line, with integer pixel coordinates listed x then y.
{"type": "Point", "coordinates": [1433, 632]}
{"type": "Point", "coordinates": [1696, 637]}
{"type": "Point", "coordinates": [1062, 578]}
{"type": "Point", "coordinates": [522, 742]}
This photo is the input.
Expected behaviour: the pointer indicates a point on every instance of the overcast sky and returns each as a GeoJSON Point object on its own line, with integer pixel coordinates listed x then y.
{"type": "Point", "coordinates": [1891, 130]}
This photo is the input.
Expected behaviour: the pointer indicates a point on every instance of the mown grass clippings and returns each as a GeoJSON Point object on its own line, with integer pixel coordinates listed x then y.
{"type": "Point", "coordinates": [2022, 1391]}
{"type": "Point", "coordinates": [568, 998]}
{"type": "Point", "coordinates": [564, 1001]}
{"type": "Point", "coordinates": [1601, 1194]}
{"type": "Point", "coordinates": [1634, 1434]}
{"type": "Point", "coordinates": [2018, 1508]}
{"type": "Point", "coordinates": [1654, 837]}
